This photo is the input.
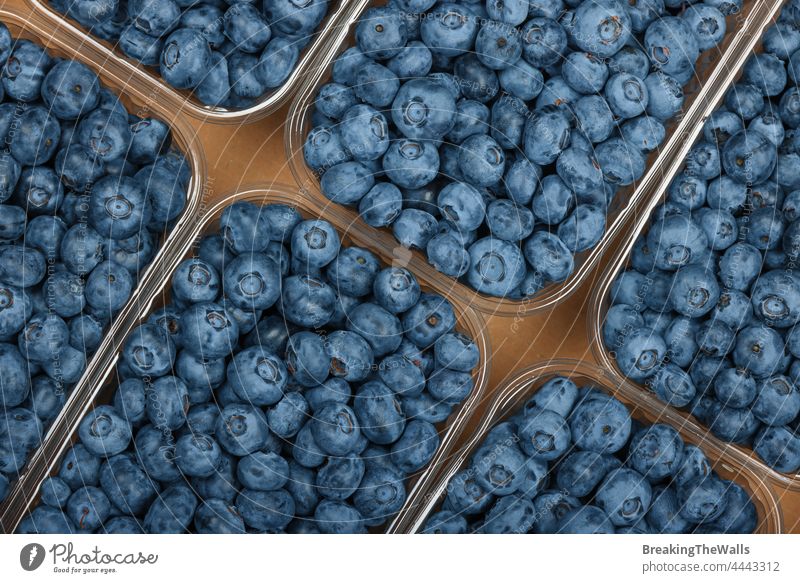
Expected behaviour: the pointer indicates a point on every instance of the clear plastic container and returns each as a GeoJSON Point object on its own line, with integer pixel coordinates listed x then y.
{"type": "Point", "coordinates": [523, 386]}
{"type": "Point", "coordinates": [339, 11]}
{"type": "Point", "coordinates": [600, 300]}
{"type": "Point", "coordinates": [136, 100]}
{"type": "Point", "coordinates": [468, 321]}
{"type": "Point", "coordinates": [619, 213]}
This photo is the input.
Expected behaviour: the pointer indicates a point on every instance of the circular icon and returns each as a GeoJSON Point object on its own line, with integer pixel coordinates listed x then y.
{"type": "Point", "coordinates": [31, 556]}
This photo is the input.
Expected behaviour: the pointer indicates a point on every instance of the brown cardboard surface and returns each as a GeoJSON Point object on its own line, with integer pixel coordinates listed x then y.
{"type": "Point", "coordinates": [255, 153]}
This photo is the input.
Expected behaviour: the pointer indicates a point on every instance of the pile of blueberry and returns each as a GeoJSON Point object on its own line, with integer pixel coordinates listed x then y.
{"type": "Point", "coordinates": [707, 313]}
{"type": "Point", "coordinates": [227, 53]}
{"type": "Point", "coordinates": [86, 190]}
{"type": "Point", "coordinates": [573, 461]}
{"type": "Point", "coordinates": [494, 135]}
{"type": "Point", "coordinates": [291, 385]}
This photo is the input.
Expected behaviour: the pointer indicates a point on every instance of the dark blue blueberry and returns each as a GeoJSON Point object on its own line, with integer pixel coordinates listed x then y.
{"type": "Point", "coordinates": [88, 508]}
{"type": "Point", "coordinates": [702, 499]}
{"type": "Point", "coordinates": [257, 375]}
{"type": "Point", "coordinates": [778, 447]}
{"type": "Point", "coordinates": [625, 496]}
{"type": "Point", "coordinates": [104, 432]}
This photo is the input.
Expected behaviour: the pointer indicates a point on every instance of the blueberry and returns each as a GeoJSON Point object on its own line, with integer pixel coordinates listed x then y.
{"type": "Point", "coordinates": [104, 432]}
{"type": "Point", "coordinates": [222, 484]}
{"type": "Point", "coordinates": [702, 499]}
{"type": "Point", "coordinates": [424, 109]}
{"type": "Point", "coordinates": [748, 157]}
{"type": "Point", "coordinates": [449, 386]}
{"type": "Point", "coordinates": [759, 350]}
{"type": "Point", "coordinates": [288, 416]}
{"type": "Point", "coordinates": [315, 243]}
{"type": "Point", "coordinates": [79, 467]}
{"type": "Point", "coordinates": [243, 226]}
{"type": "Point", "coordinates": [380, 494]}
{"type": "Point", "coordinates": [88, 508]}
{"type": "Point", "coordinates": [739, 516]}
{"type": "Point", "coordinates": [601, 424]}
{"type": "Point", "coordinates": [305, 359]}
{"type": "Point", "coordinates": [21, 266]}
{"type": "Point", "coordinates": [396, 289]}
{"type": "Point", "coordinates": [673, 385]}
{"type": "Point", "coordinates": [664, 513]}
{"type": "Point", "coordinates": [172, 511]}
{"type": "Point", "coordinates": [416, 447]}
{"type": "Point", "coordinates": [775, 296]}
{"type": "Point", "coordinates": [544, 434]}
{"type": "Point", "coordinates": [779, 448]}
{"type": "Point", "coordinates": [745, 100]}
{"type": "Point", "coordinates": [24, 70]}
{"type": "Point", "coordinates": [195, 280]}
{"type": "Point", "coordinates": [334, 517]}
{"type": "Point", "coordinates": [585, 520]}
{"type": "Point", "coordinates": [263, 471]}
{"type": "Point", "coordinates": [411, 163]}
{"type": "Point", "coordinates": [414, 228]}
{"type": "Point", "coordinates": [185, 58]}
{"type": "Point", "coordinates": [376, 85]}
{"type": "Point", "coordinates": [381, 205]}
{"type": "Point", "coordinates": [381, 33]}
{"type": "Point", "coordinates": [47, 398]}
{"type": "Point", "coordinates": [55, 492]}
{"type": "Point", "coordinates": [246, 27]}
{"type": "Point", "coordinates": [335, 429]}
{"type": "Point", "coordinates": [108, 288]}
{"type": "Point", "coordinates": [252, 281]}
{"type": "Point", "coordinates": [625, 496]}
{"type": "Point", "coordinates": [671, 45]}
{"type": "Point", "coordinates": [208, 331]}
{"type": "Point", "coordinates": [770, 125]}
{"type": "Point", "coordinates": [351, 356]}
{"type": "Point", "coordinates": [149, 351]}
{"type": "Point", "coordinates": [257, 375]}
{"type": "Point", "coordinates": [214, 516]}
{"type": "Point", "coordinates": [339, 477]}
{"type": "Point", "coordinates": [547, 134]}
{"type": "Point", "coordinates": [127, 485]}
{"type": "Point", "coordinates": [580, 472]}
{"type": "Point", "coordinates": [140, 45]}
{"type": "Point", "coordinates": [694, 465]}
{"type": "Point", "coordinates": [695, 291]}
{"type": "Point", "coordinates": [656, 452]}
{"type": "Point", "coordinates": [602, 29]}
{"type": "Point", "coordinates": [35, 137]}
{"type": "Point", "coordinates": [777, 401]}
{"type": "Point", "coordinates": [549, 256]}
{"type": "Point", "coordinates": [241, 429]}
{"type": "Point", "coordinates": [46, 519]}
{"type": "Point", "coordinates": [449, 30]}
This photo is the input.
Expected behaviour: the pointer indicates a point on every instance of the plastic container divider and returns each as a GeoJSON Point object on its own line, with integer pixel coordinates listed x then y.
{"type": "Point", "coordinates": [139, 102]}
{"type": "Point", "coordinates": [599, 303]}
{"type": "Point", "coordinates": [624, 206]}
{"type": "Point", "coordinates": [514, 394]}
{"type": "Point", "coordinates": [339, 12]}
{"type": "Point", "coordinates": [469, 322]}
